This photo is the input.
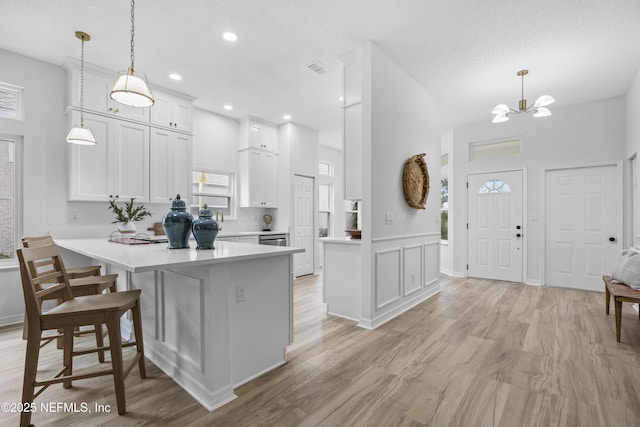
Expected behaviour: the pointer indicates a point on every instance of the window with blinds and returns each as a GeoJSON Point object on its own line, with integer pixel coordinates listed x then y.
{"type": "Point", "coordinates": [11, 101]}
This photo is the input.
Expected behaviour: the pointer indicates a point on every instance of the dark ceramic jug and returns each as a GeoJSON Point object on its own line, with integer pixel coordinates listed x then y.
{"type": "Point", "coordinates": [205, 229]}
{"type": "Point", "coordinates": [177, 225]}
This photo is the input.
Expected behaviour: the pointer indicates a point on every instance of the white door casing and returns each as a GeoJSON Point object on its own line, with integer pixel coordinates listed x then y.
{"type": "Point", "coordinates": [582, 224]}
{"type": "Point", "coordinates": [303, 231]}
{"type": "Point", "coordinates": [495, 233]}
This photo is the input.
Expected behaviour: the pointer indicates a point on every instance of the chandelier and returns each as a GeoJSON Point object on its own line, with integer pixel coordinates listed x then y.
{"type": "Point", "coordinates": [502, 111]}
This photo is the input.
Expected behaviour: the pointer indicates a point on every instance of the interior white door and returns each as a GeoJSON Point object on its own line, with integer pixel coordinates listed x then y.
{"type": "Point", "coordinates": [581, 226]}
{"type": "Point", "coordinates": [495, 227]}
{"type": "Point", "coordinates": [303, 231]}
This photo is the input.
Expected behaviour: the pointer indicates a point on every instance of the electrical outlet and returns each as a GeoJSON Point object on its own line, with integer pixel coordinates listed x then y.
{"type": "Point", "coordinates": [74, 216]}
{"type": "Point", "coordinates": [413, 277]}
{"type": "Point", "coordinates": [241, 295]}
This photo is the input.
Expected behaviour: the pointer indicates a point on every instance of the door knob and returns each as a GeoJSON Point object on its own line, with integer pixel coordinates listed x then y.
{"type": "Point", "coordinates": [612, 239]}
{"type": "Point", "coordinates": [518, 227]}
{"type": "Point", "coordinates": [518, 235]}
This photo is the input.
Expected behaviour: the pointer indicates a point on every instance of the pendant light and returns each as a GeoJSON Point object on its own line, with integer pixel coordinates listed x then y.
{"type": "Point", "coordinates": [132, 88]}
{"type": "Point", "coordinates": [502, 111]}
{"type": "Point", "coordinates": [81, 134]}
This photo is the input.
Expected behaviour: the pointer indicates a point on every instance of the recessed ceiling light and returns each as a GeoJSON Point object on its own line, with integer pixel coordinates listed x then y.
{"type": "Point", "coordinates": [228, 107]}
{"type": "Point", "coordinates": [286, 117]}
{"type": "Point", "coordinates": [230, 37]}
{"type": "Point", "coordinates": [175, 76]}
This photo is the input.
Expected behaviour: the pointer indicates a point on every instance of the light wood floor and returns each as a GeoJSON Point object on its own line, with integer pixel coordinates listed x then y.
{"type": "Point", "coordinates": [479, 353]}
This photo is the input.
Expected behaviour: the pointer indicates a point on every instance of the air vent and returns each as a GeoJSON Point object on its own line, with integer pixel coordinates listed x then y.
{"type": "Point", "coordinates": [318, 68]}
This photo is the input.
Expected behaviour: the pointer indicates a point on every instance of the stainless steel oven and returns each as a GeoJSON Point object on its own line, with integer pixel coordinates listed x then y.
{"type": "Point", "coordinates": [273, 239]}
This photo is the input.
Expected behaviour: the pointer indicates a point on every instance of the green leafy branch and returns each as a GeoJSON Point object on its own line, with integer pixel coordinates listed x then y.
{"type": "Point", "coordinates": [128, 212]}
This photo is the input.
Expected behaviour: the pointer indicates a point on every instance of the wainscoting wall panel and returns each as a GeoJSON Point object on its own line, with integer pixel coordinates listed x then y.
{"type": "Point", "coordinates": [413, 275]}
{"type": "Point", "coordinates": [388, 277]}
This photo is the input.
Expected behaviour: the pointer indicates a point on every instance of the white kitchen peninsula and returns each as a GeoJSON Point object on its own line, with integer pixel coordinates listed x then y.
{"type": "Point", "coordinates": [212, 319]}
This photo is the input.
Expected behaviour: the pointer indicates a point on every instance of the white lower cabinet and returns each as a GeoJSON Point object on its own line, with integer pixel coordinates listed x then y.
{"type": "Point", "coordinates": [258, 178]}
{"type": "Point", "coordinates": [116, 165]}
{"type": "Point", "coordinates": [170, 166]}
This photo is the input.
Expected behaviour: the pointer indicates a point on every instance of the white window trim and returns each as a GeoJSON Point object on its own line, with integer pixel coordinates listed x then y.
{"type": "Point", "coordinates": [19, 111]}
{"type": "Point", "coordinates": [12, 263]}
{"type": "Point", "coordinates": [234, 201]}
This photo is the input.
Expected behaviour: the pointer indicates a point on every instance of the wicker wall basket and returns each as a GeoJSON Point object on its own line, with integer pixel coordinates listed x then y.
{"type": "Point", "coordinates": [415, 181]}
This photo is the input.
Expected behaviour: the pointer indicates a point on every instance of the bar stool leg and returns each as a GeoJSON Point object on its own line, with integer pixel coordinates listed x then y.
{"type": "Point", "coordinates": [30, 371]}
{"type": "Point", "coordinates": [67, 358]}
{"type": "Point", "coordinates": [137, 328]}
{"type": "Point", "coordinates": [115, 342]}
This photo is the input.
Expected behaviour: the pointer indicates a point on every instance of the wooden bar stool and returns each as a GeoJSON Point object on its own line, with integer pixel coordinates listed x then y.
{"type": "Point", "coordinates": [39, 283]}
{"type": "Point", "coordinates": [85, 280]}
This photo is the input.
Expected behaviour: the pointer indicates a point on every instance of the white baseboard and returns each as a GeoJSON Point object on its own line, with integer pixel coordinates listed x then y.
{"type": "Point", "coordinates": [11, 320]}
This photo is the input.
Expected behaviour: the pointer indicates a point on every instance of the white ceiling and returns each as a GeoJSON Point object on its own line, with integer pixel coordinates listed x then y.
{"type": "Point", "coordinates": [463, 52]}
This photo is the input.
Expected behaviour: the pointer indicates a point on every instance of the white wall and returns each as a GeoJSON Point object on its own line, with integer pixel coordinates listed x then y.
{"type": "Point", "coordinates": [400, 261]}
{"type": "Point", "coordinates": [579, 135]}
{"type": "Point", "coordinates": [633, 113]}
{"type": "Point", "coordinates": [405, 121]}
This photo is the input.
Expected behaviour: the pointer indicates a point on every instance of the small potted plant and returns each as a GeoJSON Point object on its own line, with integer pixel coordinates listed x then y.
{"type": "Point", "coordinates": [127, 215]}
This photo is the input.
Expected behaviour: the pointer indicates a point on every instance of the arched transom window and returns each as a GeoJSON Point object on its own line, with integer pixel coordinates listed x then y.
{"type": "Point", "coordinates": [494, 186]}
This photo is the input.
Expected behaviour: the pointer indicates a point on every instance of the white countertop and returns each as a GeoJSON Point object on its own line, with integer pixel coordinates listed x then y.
{"type": "Point", "coordinates": [342, 240]}
{"type": "Point", "coordinates": [156, 256]}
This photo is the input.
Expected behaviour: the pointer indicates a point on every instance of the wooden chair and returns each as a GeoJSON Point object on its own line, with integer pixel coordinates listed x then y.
{"type": "Point", "coordinates": [85, 280]}
{"type": "Point", "coordinates": [73, 272]}
{"type": "Point", "coordinates": [39, 283]}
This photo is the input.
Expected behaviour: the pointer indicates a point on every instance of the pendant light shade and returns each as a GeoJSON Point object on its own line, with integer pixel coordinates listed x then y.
{"type": "Point", "coordinates": [81, 134]}
{"type": "Point", "coordinates": [132, 88]}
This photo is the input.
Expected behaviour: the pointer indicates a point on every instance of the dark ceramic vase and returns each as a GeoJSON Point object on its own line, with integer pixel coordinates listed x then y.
{"type": "Point", "coordinates": [205, 229]}
{"type": "Point", "coordinates": [177, 225]}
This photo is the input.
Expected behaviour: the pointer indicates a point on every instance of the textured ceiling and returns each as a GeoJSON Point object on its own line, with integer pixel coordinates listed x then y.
{"type": "Point", "coordinates": [463, 52]}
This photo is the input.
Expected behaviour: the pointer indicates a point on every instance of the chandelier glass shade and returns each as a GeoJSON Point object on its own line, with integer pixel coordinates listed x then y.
{"type": "Point", "coordinates": [502, 111]}
{"type": "Point", "coordinates": [132, 88]}
{"type": "Point", "coordinates": [81, 134]}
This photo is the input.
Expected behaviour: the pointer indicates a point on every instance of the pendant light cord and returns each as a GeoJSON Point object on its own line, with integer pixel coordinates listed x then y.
{"type": "Point", "coordinates": [133, 31]}
{"type": "Point", "coordinates": [82, 82]}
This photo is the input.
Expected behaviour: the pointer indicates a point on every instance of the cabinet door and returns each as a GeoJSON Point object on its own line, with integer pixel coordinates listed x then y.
{"type": "Point", "coordinates": [255, 179]}
{"type": "Point", "coordinates": [182, 112]}
{"type": "Point", "coordinates": [161, 109]}
{"type": "Point", "coordinates": [254, 135]}
{"type": "Point", "coordinates": [90, 174]}
{"type": "Point", "coordinates": [160, 167]}
{"type": "Point", "coordinates": [269, 180]}
{"type": "Point", "coordinates": [172, 112]}
{"type": "Point", "coordinates": [170, 166]}
{"type": "Point", "coordinates": [269, 139]}
{"type": "Point", "coordinates": [131, 162]}
{"type": "Point", "coordinates": [182, 166]}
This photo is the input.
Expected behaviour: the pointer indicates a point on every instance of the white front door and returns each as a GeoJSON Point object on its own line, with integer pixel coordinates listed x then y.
{"type": "Point", "coordinates": [582, 222]}
{"type": "Point", "coordinates": [303, 230]}
{"type": "Point", "coordinates": [495, 227]}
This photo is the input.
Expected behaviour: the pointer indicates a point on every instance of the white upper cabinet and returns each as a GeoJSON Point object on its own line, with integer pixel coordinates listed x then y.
{"type": "Point", "coordinates": [258, 178]}
{"type": "Point", "coordinates": [172, 111]}
{"type": "Point", "coordinates": [116, 165]}
{"type": "Point", "coordinates": [170, 166]}
{"type": "Point", "coordinates": [258, 134]}
{"type": "Point", "coordinates": [97, 87]}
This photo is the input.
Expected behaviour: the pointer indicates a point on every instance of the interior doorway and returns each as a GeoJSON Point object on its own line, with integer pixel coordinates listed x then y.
{"type": "Point", "coordinates": [303, 227]}
{"type": "Point", "coordinates": [495, 229]}
{"type": "Point", "coordinates": [583, 220]}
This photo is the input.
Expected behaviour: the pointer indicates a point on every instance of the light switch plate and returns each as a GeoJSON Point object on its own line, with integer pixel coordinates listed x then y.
{"type": "Point", "coordinates": [388, 218]}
